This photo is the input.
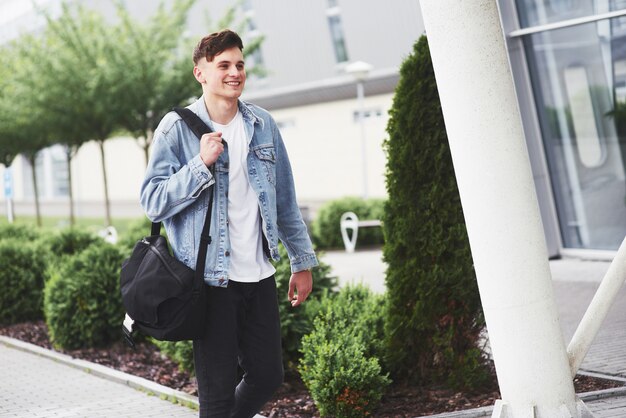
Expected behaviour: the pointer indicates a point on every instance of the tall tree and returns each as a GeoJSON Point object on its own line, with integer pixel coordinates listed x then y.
{"type": "Point", "coordinates": [22, 125]}
{"type": "Point", "coordinates": [434, 315]}
{"type": "Point", "coordinates": [152, 60]}
{"type": "Point", "coordinates": [55, 95]}
{"type": "Point", "coordinates": [89, 98]}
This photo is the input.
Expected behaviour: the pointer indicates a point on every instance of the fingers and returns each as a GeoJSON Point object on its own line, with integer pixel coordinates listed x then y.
{"type": "Point", "coordinates": [300, 286]}
{"type": "Point", "coordinates": [292, 287]}
{"type": "Point", "coordinates": [211, 146]}
{"type": "Point", "coordinates": [215, 136]}
{"type": "Point", "coordinates": [299, 297]}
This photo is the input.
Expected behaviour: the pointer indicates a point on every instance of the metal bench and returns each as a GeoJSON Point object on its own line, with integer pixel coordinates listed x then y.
{"type": "Point", "coordinates": [349, 220]}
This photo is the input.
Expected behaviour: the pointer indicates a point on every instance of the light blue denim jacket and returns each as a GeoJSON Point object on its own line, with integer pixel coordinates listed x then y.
{"type": "Point", "coordinates": [172, 192]}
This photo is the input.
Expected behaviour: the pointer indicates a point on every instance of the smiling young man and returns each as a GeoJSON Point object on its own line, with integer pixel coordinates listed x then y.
{"type": "Point", "coordinates": [254, 206]}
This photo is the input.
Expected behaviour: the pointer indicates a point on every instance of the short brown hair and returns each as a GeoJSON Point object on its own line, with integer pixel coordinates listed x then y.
{"type": "Point", "coordinates": [216, 43]}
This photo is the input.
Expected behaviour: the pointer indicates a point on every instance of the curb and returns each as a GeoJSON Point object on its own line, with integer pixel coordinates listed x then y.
{"type": "Point", "coordinates": [108, 373]}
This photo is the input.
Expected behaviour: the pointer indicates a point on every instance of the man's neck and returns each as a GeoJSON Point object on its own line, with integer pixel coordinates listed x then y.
{"type": "Point", "coordinates": [221, 111]}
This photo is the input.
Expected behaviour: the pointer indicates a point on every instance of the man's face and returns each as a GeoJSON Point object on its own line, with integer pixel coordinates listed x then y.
{"type": "Point", "coordinates": [225, 76]}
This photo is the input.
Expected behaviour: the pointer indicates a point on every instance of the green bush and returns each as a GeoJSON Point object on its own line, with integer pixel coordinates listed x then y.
{"type": "Point", "coordinates": [434, 315]}
{"type": "Point", "coordinates": [22, 232]}
{"type": "Point", "coordinates": [339, 364]}
{"type": "Point", "coordinates": [69, 241]}
{"type": "Point", "coordinates": [181, 352]}
{"type": "Point", "coordinates": [21, 281]}
{"type": "Point", "coordinates": [364, 309]}
{"type": "Point", "coordinates": [82, 302]}
{"type": "Point", "coordinates": [327, 232]}
{"type": "Point", "coordinates": [136, 230]}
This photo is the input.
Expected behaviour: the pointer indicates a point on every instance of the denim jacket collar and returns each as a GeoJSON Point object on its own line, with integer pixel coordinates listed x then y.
{"type": "Point", "coordinates": [246, 111]}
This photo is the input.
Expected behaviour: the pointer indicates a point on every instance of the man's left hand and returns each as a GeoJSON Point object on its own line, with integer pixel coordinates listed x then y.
{"type": "Point", "coordinates": [300, 286]}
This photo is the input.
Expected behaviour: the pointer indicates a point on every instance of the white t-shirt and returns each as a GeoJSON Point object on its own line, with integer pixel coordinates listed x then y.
{"type": "Point", "coordinates": [247, 261]}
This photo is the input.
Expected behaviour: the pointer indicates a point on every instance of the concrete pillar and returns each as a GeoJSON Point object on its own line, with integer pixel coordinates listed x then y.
{"type": "Point", "coordinates": [501, 211]}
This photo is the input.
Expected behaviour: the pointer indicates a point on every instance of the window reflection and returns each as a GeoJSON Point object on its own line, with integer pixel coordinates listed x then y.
{"type": "Point", "coordinates": [579, 80]}
{"type": "Point", "coordinates": [541, 12]}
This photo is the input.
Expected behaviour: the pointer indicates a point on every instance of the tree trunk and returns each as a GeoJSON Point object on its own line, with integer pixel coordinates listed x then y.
{"type": "Point", "coordinates": [68, 155]}
{"type": "Point", "coordinates": [32, 159]}
{"type": "Point", "coordinates": [107, 203]}
{"type": "Point", "coordinates": [146, 145]}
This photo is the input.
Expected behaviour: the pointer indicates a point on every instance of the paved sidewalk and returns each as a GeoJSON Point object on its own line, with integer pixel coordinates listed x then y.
{"type": "Point", "coordinates": [40, 383]}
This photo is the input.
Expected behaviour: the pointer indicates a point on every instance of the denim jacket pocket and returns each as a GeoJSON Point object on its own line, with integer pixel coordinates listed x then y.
{"type": "Point", "coordinates": [267, 155]}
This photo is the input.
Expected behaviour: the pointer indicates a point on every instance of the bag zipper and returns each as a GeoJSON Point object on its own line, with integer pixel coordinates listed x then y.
{"type": "Point", "coordinates": [167, 266]}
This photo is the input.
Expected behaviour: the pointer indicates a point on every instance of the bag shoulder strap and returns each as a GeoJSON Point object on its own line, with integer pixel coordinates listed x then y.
{"type": "Point", "coordinates": [199, 128]}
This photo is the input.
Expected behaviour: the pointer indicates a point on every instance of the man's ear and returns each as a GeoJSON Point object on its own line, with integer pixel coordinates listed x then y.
{"type": "Point", "coordinates": [197, 72]}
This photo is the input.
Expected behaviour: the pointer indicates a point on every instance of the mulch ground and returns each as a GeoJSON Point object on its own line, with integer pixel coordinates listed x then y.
{"type": "Point", "coordinates": [292, 399]}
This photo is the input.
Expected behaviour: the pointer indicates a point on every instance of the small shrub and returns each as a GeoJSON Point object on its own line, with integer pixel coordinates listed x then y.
{"type": "Point", "coordinates": [82, 303]}
{"type": "Point", "coordinates": [327, 232]}
{"type": "Point", "coordinates": [21, 281]}
{"type": "Point", "coordinates": [364, 310]}
{"type": "Point", "coordinates": [69, 241]}
{"type": "Point", "coordinates": [21, 232]}
{"type": "Point", "coordinates": [339, 364]}
{"type": "Point", "coordinates": [180, 352]}
{"type": "Point", "coordinates": [136, 230]}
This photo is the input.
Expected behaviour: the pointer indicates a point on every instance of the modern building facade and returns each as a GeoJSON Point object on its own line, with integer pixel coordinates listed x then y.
{"type": "Point", "coordinates": [569, 64]}
{"type": "Point", "coordinates": [568, 58]}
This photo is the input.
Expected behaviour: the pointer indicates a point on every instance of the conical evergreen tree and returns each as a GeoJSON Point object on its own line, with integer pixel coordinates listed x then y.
{"type": "Point", "coordinates": [434, 316]}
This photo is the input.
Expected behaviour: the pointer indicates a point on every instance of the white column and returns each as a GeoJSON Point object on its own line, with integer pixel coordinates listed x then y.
{"type": "Point", "coordinates": [500, 206]}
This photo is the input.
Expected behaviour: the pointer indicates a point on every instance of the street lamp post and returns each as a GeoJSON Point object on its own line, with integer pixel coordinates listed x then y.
{"type": "Point", "coordinates": [360, 70]}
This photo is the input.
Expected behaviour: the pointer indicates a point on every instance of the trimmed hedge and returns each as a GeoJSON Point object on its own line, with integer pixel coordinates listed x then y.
{"type": "Point", "coordinates": [340, 364]}
{"type": "Point", "coordinates": [434, 314]}
{"type": "Point", "coordinates": [21, 281]}
{"type": "Point", "coordinates": [181, 352]}
{"type": "Point", "coordinates": [136, 230]}
{"type": "Point", "coordinates": [82, 303]}
{"type": "Point", "coordinates": [22, 232]}
{"type": "Point", "coordinates": [69, 241]}
{"type": "Point", "coordinates": [327, 232]}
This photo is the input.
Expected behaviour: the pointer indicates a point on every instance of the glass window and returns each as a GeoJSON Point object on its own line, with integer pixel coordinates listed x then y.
{"type": "Point", "coordinates": [52, 174]}
{"type": "Point", "coordinates": [541, 12]}
{"type": "Point", "coordinates": [336, 34]}
{"type": "Point", "coordinates": [60, 174]}
{"type": "Point", "coordinates": [579, 82]}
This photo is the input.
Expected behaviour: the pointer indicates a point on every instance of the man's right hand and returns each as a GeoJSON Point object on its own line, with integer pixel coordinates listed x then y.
{"type": "Point", "coordinates": [211, 147]}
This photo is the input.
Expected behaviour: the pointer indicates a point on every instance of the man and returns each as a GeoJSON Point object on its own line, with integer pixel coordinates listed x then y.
{"type": "Point", "coordinates": [254, 206]}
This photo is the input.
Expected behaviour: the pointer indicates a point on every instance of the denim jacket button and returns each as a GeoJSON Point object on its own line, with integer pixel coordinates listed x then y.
{"type": "Point", "coordinates": [227, 253]}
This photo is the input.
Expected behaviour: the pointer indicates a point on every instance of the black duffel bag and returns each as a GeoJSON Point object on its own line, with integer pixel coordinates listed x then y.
{"type": "Point", "coordinates": [163, 297]}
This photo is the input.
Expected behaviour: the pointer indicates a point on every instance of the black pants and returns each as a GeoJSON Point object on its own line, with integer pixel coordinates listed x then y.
{"type": "Point", "coordinates": [243, 330]}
